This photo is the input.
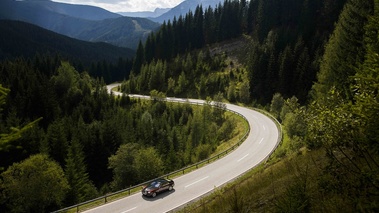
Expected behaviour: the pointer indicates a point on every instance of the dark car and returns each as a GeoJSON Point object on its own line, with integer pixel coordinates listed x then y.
{"type": "Point", "coordinates": [157, 186]}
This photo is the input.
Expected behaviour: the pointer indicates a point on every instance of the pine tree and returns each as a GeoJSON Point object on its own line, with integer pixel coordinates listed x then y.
{"type": "Point", "coordinates": [81, 188]}
{"type": "Point", "coordinates": [139, 58]}
{"type": "Point", "coordinates": [367, 84]}
{"type": "Point", "coordinates": [345, 50]}
{"type": "Point", "coordinates": [198, 27]}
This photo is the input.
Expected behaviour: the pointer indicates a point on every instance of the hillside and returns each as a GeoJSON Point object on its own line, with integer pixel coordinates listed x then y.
{"type": "Point", "coordinates": [38, 12]}
{"type": "Point", "coordinates": [184, 7]}
{"type": "Point", "coordinates": [146, 14]}
{"type": "Point", "coordinates": [328, 159]}
{"type": "Point", "coordinates": [23, 39]}
{"type": "Point", "coordinates": [80, 21]}
{"type": "Point", "coordinates": [123, 31]}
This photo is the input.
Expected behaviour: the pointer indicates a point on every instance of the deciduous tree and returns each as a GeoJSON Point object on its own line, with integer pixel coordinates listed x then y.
{"type": "Point", "coordinates": [36, 184]}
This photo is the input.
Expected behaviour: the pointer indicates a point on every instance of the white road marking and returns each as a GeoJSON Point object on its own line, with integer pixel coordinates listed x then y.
{"type": "Point", "coordinates": [264, 128]}
{"type": "Point", "coordinates": [261, 141]}
{"type": "Point", "coordinates": [129, 210]}
{"type": "Point", "coordinates": [196, 181]}
{"type": "Point", "coordinates": [242, 158]}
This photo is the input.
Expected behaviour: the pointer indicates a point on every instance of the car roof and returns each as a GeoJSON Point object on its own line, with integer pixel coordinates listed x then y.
{"type": "Point", "coordinates": [159, 179]}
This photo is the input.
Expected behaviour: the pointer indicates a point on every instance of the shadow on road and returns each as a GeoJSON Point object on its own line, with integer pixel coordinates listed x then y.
{"type": "Point", "coordinates": [159, 196]}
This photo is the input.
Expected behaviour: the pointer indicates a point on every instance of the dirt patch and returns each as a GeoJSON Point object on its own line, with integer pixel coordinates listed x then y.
{"type": "Point", "coordinates": [233, 49]}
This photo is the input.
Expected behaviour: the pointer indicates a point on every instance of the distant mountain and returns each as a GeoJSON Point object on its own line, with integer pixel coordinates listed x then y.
{"type": "Point", "coordinates": [123, 32]}
{"type": "Point", "coordinates": [32, 11]}
{"type": "Point", "coordinates": [23, 39]}
{"type": "Point", "coordinates": [78, 21]}
{"type": "Point", "coordinates": [146, 14]}
{"type": "Point", "coordinates": [184, 7]}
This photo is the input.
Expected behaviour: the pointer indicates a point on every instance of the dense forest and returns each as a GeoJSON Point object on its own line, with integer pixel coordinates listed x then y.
{"type": "Point", "coordinates": [328, 161]}
{"type": "Point", "coordinates": [89, 139]}
{"type": "Point", "coordinates": [101, 60]}
{"type": "Point", "coordinates": [312, 64]}
{"type": "Point", "coordinates": [60, 126]}
{"type": "Point", "coordinates": [286, 42]}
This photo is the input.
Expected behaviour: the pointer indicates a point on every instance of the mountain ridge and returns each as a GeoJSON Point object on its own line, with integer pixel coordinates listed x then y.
{"type": "Point", "coordinates": [74, 21]}
{"type": "Point", "coordinates": [21, 39]}
{"type": "Point", "coordinates": [146, 14]}
{"type": "Point", "coordinates": [184, 7]}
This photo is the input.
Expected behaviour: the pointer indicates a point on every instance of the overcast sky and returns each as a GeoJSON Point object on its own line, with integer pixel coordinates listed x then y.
{"type": "Point", "coordinates": [126, 5]}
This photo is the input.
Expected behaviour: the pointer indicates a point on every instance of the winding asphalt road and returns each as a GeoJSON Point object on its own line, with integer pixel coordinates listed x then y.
{"type": "Point", "coordinates": [260, 143]}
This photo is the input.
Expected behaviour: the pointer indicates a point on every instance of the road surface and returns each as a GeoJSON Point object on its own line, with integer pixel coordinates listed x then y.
{"type": "Point", "coordinates": [259, 144]}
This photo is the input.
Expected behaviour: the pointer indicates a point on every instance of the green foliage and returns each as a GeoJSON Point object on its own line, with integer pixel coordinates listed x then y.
{"type": "Point", "coordinates": [244, 92]}
{"type": "Point", "coordinates": [345, 50]}
{"type": "Point", "coordinates": [148, 164]}
{"type": "Point", "coordinates": [157, 96]}
{"type": "Point", "coordinates": [123, 165]}
{"type": "Point", "coordinates": [82, 189]}
{"type": "Point", "coordinates": [15, 132]}
{"type": "Point", "coordinates": [37, 184]}
{"type": "Point", "coordinates": [344, 127]}
{"type": "Point", "coordinates": [340, 123]}
{"type": "Point", "coordinates": [194, 30]}
{"type": "Point", "coordinates": [296, 196]}
{"type": "Point", "coordinates": [3, 94]}
{"type": "Point", "coordinates": [294, 124]}
{"type": "Point", "coordinates": [126, 140]}
{"type": "Point", "coordinates": [175, 78]}
{"type": "Point", "coordinates": [283, 56]}
{"type": "Point", "coordinates": [276, 106]}
{"type": "Point", "coordinates": [231, 95]}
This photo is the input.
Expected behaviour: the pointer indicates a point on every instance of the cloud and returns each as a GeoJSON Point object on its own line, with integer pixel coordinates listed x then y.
{"type": "Point", "coordinates": [126, 5]}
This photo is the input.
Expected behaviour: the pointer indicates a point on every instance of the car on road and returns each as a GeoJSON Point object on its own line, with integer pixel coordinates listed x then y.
{"type": "Point", "coordinates": [157, 186]}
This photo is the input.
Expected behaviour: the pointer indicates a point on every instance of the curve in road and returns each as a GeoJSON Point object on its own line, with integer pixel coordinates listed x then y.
{"type": "Point", "coordinates": [260, 143]}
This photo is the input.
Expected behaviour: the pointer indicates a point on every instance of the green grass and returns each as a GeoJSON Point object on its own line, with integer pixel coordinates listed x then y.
{"type": "Point", "coordinates": [262, 189]}
{"type": "Point", "coordinates": [241, 127]}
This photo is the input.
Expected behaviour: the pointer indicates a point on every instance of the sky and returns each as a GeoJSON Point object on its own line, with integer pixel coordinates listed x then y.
{"type": "Point", "coordinates": [126, 5]}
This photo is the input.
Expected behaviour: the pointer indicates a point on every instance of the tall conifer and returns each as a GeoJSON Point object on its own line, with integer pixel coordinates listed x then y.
{"type": "Point", "coordinates": [345, 49]}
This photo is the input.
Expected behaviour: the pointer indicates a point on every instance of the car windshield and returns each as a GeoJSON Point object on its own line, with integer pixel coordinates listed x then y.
{"type": "Point", "coordinates": [155, 184]}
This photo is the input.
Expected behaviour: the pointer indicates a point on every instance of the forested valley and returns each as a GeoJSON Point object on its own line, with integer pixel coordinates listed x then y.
{"type": "Point", "coordinates": [90, 142]}
{"type": "Point", "coordinates": [313, 64]}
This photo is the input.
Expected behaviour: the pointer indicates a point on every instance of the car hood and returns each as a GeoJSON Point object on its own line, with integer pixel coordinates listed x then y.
{"type": "Point", "coordinates": [150, 188]}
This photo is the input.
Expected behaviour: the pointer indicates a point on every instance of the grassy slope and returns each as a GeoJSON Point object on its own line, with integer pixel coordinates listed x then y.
{"type": "Point", "coordinates": [282, 186]}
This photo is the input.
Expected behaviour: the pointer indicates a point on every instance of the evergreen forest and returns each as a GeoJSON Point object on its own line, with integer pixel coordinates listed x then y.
{"type": "Point", "coordinates": [312, 64]}
{"type": "Point", "coordinates": [92, 142]}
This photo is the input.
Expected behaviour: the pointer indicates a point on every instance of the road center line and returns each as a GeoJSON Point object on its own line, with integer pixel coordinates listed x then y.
{"type": "Point", "coordinates": [197, 181]}
{"type": "Point", "coordinates": [242, 158]}
{"type": "Point", "coordinates": [261, 141]}
{"type": "Point", "coordinates": [264, 128]}
{"type": "Point", "coordinates": [129, 210]}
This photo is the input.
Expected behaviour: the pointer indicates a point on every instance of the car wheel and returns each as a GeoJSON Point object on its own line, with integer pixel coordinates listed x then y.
{"type": "Point", "coordinates": [154, 194]}
{"type": "Point", "coordinates": [170, 188]}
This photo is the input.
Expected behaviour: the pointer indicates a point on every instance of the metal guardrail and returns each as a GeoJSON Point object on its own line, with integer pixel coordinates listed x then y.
{"type": "Point", "coordinates": [104, 198]}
